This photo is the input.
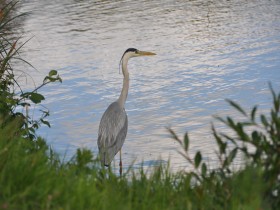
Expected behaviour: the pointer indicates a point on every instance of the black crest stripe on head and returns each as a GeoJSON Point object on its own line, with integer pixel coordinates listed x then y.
{"type": "Point", "coordinates": [130, 50]}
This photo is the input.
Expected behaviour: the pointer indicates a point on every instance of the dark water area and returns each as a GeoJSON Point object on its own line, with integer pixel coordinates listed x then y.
{"type": "Point", "coordinates": [207, 51]}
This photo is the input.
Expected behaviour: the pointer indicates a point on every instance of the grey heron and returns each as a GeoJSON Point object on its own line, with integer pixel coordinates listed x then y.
{"type": "Point", "coordinates": [113, 125]}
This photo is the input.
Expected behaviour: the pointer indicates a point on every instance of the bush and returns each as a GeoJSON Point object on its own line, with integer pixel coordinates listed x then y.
{"type": "Point", "coordinates": [10, 100]}
{"type": "Point", "coordinates": [261, 135]}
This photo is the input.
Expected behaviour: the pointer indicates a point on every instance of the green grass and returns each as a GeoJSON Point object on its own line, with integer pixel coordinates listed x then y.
{"type": "Point", "coordinates": [31, 179]}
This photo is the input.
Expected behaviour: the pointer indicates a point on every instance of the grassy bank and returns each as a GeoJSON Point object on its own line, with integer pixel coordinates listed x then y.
{"type": "Point", "coordinates": [33, 177]}
{"type": "Point", "coordinates": [30, 179]}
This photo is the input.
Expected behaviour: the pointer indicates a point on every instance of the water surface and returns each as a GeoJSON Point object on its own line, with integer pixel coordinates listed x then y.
{"type": "Point", "coordinates": [206, 51]}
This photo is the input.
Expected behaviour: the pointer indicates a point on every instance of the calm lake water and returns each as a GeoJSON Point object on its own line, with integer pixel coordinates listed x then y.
{"type": "Point", "coordinates": [206, 51]}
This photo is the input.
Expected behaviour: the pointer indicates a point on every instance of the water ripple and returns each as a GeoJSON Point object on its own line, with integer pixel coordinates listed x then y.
{"type": "Point", "coordinates": [206, 51]}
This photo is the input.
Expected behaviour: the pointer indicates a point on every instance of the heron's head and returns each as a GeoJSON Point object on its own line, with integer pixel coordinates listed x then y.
{"type": "Point", "coordinates": [132, 52]}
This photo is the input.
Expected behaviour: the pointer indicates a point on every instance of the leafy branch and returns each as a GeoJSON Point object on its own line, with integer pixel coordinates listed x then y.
{"type": "Point", "coordinates": [9, 100]}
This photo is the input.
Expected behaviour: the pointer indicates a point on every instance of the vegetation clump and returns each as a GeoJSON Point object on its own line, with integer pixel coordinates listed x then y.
{"type": "Point", "coordinates": [33, 177]}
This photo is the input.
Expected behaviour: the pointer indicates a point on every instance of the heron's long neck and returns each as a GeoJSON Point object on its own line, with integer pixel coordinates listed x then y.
{"type": "Point", "coordinates": [125, 87]}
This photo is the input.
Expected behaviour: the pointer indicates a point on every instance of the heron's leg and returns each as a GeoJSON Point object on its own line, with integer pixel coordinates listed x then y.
{"type": "Point", "coordinates": [109, 169]}
{"type": "Point", "coordinates": [120, 162]}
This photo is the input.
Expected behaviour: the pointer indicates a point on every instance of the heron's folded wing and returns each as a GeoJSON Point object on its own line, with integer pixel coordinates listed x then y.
{"type": "Point", "coordinates": [113, 127]}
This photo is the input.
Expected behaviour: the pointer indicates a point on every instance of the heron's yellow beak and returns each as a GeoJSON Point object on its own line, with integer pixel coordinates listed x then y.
{"type": "Point", "coordinates": [144, 53]}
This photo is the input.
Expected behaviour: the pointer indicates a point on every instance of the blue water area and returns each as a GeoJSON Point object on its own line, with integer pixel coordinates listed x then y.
{"type": "Point", "coordinates": [207, 51]}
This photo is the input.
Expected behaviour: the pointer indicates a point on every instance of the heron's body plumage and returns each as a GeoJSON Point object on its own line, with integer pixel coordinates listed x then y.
{"type": "Point", "coordinates": [112, 132]}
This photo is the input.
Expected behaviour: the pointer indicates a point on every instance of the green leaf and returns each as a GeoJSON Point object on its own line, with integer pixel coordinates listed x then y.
{"type": "Point", "coordinates": [222, 145]}
{"type": "Point", "coordinates": [264, 121]}
{"type": "Point", "coordinates": [236, 106]}
{"type": "Point", "coordinates": [32, 129]}
{"type": "Point", "coordinates": [231, 139]}
{"type": "Point", "coordinates": [276, 100]}
{"type": "Point", "coordinates": [174, 136]}
{"type": "Point", "coordinates": [256, 138]}
{"type": "Point", "coordinates": [46, 123]}
{"type": "Point", "coordinates": [186, 142]}
{"type": "Point", "coordinates": [220, 119]}
{"type": "Point", "coordinates": [253, 113]}
{"type": "Point", "coordinates": [50, 79]}
{"type": "Point", "coordinates": [230, 123]}
{"type": "Point", "coordinates": [239, 130]}
{"type": "Point", "coordinates": [203, 169]}
{"type": "Point", "coordinates": [36, 98]}
{"type": "Point", "coordinates": [45, 113]}
{"type": "Point", "coordinates": [52, 73]}
{"type": "Point", "coordinates": [197, 159]}
{"type": "Point", "coordinates": [232, 155]}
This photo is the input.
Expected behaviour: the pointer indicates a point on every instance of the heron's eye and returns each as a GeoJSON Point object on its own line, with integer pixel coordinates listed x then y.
{"type": "Point", "coordinates": [136, 51]}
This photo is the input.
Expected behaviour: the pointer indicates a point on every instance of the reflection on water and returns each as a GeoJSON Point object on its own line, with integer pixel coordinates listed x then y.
{"type": "Point", "coordinates": [206, 51]}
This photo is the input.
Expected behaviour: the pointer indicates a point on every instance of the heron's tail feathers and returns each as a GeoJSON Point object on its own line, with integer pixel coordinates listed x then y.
{"type": "Point", "coordinates": [105, 158]}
